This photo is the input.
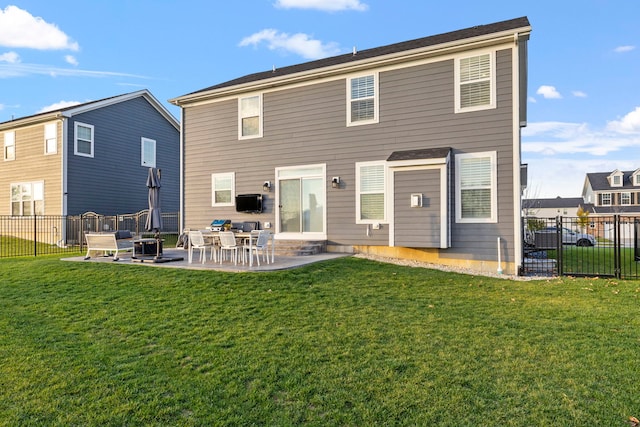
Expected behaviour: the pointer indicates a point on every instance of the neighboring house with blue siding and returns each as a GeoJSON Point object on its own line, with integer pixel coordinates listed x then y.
{"type": "Point", "coordinates": [408, 150]}
{"type": "Point", "coordinates": [90, 157]}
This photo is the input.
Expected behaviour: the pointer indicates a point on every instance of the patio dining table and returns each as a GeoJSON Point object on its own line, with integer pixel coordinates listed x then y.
{"type": "Point", "coordinates": [245, 238]}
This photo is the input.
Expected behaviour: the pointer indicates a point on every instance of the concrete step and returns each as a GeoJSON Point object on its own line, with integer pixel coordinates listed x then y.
{"type": "Point", "coordinates": [300, 247]}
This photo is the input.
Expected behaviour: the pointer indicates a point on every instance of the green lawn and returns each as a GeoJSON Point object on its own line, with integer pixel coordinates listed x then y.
{"type": "Point", "coordinates": [347, 342]}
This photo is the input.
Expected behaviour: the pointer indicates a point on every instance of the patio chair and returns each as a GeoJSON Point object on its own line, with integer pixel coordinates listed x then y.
{"type": "Point", "coordinates": [259, 242]}
{"type": "Point", "coordinates": [197, 241]}
{"type": "Point", "coordinates": [228, 245]}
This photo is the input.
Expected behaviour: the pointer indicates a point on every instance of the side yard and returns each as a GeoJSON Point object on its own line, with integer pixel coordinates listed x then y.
{"type": "Point", "coordinates": [343, 342]}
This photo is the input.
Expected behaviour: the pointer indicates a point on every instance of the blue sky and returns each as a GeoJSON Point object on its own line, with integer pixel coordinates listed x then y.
{"type": "Point", "coordinates": [584, 60]}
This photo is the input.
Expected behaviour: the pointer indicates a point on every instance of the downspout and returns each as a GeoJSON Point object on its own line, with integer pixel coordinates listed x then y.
{"type": "Point", "coordinates": [65, 145]}
{"type": "Point", "coordinates": [181, 207]}
{"type": "Point", "coordinates": [517, 158]}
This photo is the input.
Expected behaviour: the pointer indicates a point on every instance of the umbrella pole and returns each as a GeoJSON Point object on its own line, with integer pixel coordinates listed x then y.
{"type": "Point", "coordinates": [157, 244]}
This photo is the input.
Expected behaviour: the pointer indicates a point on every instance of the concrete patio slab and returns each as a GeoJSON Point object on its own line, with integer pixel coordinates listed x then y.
{"type": "Point", "coordinates": [281, 262]}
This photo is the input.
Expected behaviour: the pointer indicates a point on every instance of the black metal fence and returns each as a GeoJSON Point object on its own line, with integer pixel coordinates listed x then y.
{"type": "Point", "coordinates": [573, 246]}
{"type": "Point", "coordinates": [53, 234]}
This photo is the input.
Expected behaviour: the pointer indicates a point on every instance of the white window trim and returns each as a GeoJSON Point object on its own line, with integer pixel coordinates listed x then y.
{"type": "Point", "coordinates": [143, 143]}
{"type": "Point", "coordinates": [232, 175]}
{"type": "Point", "coordinates": [318, 170]}
{"type": "Point", "coordinates": [385, 192]}
{"type": "Point", "coordinates": [75, 139]}
{"type": "Point", "coordinates": [492, 81]}
{"type": "Point", "coordinates": [628, 194]}
{"type": "Point", "coordinates": [260, 116]}
{"type": "Point", "coordinates": [33, 199]}
{"type": "Point", "coordinates": [610, 196]}
{"type": "Point", "coordinates": [376, 100]}
{"type": "Point", "coordinates": [620, 180]}
{"type": "Point", "coordinates": [493, 218]}
{"type": "Point", "coordinates": [48, 128]}
{"type": "Point", "coordinates": [9, 141]}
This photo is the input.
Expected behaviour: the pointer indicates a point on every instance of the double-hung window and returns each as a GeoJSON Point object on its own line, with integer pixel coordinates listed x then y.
{"type": "Point", "coordinates": [362, 102]}
{"type": "Point", "coordinates": [371, 185]}
{"type": "Point", "coordinates": [625, 198]}
{"type": "Point", "coordinates": [148, 152]}
{"type": "Point", "coordinates": [250, 117]}
{"type": "Point", "coordinates": [83, 140]}
{"type": "Point", "coordinates": [10, 145]}
{"type": "Point", "coordinates": [222, 189]}
{"type": "Point", "coordinates": [605, 199]}
{"type": "Point", "coordinates": [476, 187]}
{"type": "Point", "coordinates": [27, 198]}
{"type": "Point", "coordinates": [50, 138]}
{"type": "Point", "coordinates": [475, 82]}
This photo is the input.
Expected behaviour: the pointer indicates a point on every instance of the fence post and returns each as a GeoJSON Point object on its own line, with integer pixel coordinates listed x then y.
{"type": "Point", "coordinates": [617, 270]}
{"type": "Point", "coordinates": [35, 235]}
{"type": "Point", "coordinates": [559, 254]}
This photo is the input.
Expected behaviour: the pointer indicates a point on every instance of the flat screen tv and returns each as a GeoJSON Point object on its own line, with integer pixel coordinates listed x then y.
{"type": "Point", "coordinates": [249, 203]}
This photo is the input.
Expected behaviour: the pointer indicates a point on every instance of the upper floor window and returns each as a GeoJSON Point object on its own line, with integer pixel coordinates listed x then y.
{"type": "Point", "coordinates": [625, 198]}
{"type": "Point", "coordinates": [362, 102]}
{"type": "Point", "coordinates": [51, 138]}
{"type": "Point", "coordinates": [636, 179]}
{"type": "Point", "coordinates": [476, 187]}
{"type": "Point", "coordinates": [370, 202]}
{"type": "Point", "coordinates": [27, 198]}
{"type": "Point", "coordinates": [10, 145]}
{"type": "Point", "coordinates": [148, 152]}
{"type": "Point", "coordinates": [475, 83]}
{"type": "Point", "coordinates": [83, 140]}
{"type": "Point", "coordinates": [616, 180]}
{"type": "Point", "coordinates": [222, 189]}
{"type": "Point", "coordinates": [250, 117]}
{"type": "Point", "coordinates": [605, 199]}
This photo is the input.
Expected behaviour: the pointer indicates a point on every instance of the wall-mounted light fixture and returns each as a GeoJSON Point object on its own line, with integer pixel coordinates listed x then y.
{"type": "Point", "coordinates": [335, 182]}
{"type": "Point", "coordinates": [266, 187]}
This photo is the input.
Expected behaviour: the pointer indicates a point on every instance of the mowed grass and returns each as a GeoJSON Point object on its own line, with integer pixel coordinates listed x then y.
{"type": "Point", "coordinates": [346, 342]}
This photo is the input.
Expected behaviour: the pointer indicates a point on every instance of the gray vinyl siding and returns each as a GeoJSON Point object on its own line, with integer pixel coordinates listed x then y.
{"type": "Point", "coordinates": [417, 227]}
{"type": "Point", "coordinates": [307, 125]}
{"type": "Point", "coordinates": [114, 181]}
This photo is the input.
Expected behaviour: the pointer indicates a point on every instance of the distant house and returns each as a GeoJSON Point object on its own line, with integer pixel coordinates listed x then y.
{"type": "Point", "coordinates": [90, 157]}
{"type": "Point", "coordinates": [551, 208]}
{"type": "Point", "coordinates": [614, 192]}
{"type": "Point", "coordinates": [407, 150]}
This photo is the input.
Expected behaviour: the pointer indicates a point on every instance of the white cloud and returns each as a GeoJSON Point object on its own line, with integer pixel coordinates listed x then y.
{"type": "Point", "coordinates": [532, 99]}
{"type": "Point", "coordinates": [548, 92]}
{"type": "Point", "coordinates": [629, 124]}
{"type": "Point", "coordinates": [579, 94]}
{"type": "Point", "coordinates": [299, 43]}
{"type": "Point", "coordinates": [10, 57]}
{"type": "Point", "coordinates": [326, 5]}
{"type": "Point", "coordinates": [564, 176]}
{"type": "Point", "coordinates": [18, 28]}
{"type": "Point", "coordinates": [622, 49]}
{"type": "Point", "coordinates": [71, 60]}
{"type": "Point", "coordinates": [558, 138]}
{"type": "Point", "coordinates": [20, 70]}
{"type": "Point", "coordinates": [58, 106]}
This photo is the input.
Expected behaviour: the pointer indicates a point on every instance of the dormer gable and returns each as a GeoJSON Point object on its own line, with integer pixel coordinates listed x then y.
{"type": "Point", "coordinates": [635, 178]}
{"type": "Point", "coordinates": [616, 178]}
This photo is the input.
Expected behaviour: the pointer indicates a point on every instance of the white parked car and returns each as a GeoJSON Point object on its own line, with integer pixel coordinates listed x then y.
{"type": "Point", "coordinates": [570, 237]}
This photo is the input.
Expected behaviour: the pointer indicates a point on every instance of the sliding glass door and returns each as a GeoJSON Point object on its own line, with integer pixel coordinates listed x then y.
{"type": "Point", "coordinates": [301, 199]}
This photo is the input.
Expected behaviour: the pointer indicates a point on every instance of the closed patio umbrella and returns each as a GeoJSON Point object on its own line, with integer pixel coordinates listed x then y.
{"type": "Point", "coordinates": [154, 218]}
